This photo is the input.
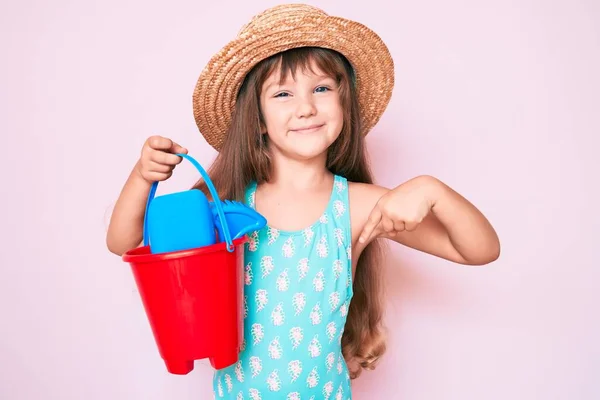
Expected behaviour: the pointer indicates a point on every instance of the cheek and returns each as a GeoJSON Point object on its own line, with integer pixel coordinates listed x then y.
{"type": "Point", "coordinates": [336, 114]}
{"type": "Point", "coordinates": [268, 117]}
{"type": "Point", "coordinates": [333, 108]}
{"type": "Point", "coordinates": [274, 116]}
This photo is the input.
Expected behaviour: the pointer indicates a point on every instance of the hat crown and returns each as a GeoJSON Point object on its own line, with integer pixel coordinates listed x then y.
{"type": "Point", "coordinates": [279, 29]}
{"type": "Point", "coordinates": [285, 13]}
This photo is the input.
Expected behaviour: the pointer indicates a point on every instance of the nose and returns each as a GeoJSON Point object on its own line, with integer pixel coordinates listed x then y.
{"type": "Point", "coordinates": [306, 108]}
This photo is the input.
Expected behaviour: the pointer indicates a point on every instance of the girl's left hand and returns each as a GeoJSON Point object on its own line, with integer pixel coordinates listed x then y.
{"type": "Point", "coordinates": [400, 209]}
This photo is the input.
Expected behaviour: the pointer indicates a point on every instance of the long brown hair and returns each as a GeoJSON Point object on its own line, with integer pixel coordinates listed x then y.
{"type": "Point", "coordinates": [244, 157]}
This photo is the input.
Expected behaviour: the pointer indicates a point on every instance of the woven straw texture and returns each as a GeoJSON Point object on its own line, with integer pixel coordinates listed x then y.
{"type": "Point", "coordinates": [282, 28]}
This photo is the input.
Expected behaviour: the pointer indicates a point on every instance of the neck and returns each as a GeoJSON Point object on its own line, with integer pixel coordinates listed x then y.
{"type": "Point", "coordinates": [299, 174]}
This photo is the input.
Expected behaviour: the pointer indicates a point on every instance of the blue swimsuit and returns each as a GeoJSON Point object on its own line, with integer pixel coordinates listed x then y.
{"type": "Point", "coordinates": [298, 287]}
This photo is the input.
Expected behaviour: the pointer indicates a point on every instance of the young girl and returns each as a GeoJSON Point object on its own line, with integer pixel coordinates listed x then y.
{"type": "Point", "coordinates": [287, 104]}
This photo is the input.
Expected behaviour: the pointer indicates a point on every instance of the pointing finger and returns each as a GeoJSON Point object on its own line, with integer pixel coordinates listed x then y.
{"type": "Point", "coordinates": [370, 226]}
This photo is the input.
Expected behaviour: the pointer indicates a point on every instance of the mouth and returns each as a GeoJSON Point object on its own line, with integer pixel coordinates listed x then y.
{"type": "Point", "coordinates": [308, 129]}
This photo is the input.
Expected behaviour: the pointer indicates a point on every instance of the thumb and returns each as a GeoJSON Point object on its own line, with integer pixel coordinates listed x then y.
{"type": "Point", "coordinates": [176, 148]}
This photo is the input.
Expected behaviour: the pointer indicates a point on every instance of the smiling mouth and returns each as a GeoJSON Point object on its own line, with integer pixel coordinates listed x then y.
{"type": "Point", "coordinates": [308, 129]}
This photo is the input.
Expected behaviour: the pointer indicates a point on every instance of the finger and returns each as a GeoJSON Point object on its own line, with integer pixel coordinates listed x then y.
{"type": "Point", "coordinates": [153, 166]}
{"type": "Point", "coordinates": [371, 233]}
{"type": "Point", "coordinates": [387, 224]}
{"type": "Point", "coordinates": [162, 157]}
{"type": "Point", "coordinates": [411, 226]}
{"type": "Point", "coordinates": [158, 176]}
{"type": "Point", "coordinates": [370, 226]}
{"type": "Point", "coordinates": [399, 226]}
{"type": "Point", "coordinates": [176, 148]}
{"type": "Point", "coordinates": [160, 143]}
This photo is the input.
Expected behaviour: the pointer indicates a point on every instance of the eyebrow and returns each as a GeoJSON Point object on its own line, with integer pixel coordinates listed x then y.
{"type": "Point", "coordinates": [276, 82]}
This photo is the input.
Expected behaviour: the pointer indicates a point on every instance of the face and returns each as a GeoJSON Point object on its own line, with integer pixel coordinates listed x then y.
{"type": "Point", "coordinates": [303, 117]}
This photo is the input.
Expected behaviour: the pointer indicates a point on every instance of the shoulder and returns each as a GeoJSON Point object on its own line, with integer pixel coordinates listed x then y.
{"type": "Point", "coordinates": [362, 198]}
{"type": "Point", "coordinates": [365, 192]}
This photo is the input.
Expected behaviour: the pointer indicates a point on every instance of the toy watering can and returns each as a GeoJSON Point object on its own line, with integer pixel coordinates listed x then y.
{"type": "Point", "coordinates": [187, 220]}
{"type": "Point", "coordinates": [190, 283]}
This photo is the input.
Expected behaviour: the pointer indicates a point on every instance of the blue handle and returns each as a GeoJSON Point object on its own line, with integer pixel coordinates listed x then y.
{"type": "Point", "coordinates": [215, 197]}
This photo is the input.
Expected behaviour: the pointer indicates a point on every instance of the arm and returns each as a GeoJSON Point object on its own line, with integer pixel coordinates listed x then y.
{"type": "Point", "coordinates": [127, 220]}
{"type": "Point", "coordinates": [467, 230]}
{"type": "Point", "coordinates": [427, 215]}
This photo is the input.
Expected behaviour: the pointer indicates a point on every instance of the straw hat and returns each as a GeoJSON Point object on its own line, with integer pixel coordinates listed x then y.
{"type": "Point", "coordinates": [282, 28]}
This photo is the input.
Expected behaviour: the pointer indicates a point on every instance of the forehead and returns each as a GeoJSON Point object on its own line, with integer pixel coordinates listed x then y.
{"type": "Point", "coordinates": [285, 72]}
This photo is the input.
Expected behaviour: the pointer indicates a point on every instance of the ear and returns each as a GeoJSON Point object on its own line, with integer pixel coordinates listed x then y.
{"type": "Point", "coordinates": [262, 128]}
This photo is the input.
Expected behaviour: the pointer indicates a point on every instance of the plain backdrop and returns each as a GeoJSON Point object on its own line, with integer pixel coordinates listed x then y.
{"type": "Point", "coordinates": [499, 99]}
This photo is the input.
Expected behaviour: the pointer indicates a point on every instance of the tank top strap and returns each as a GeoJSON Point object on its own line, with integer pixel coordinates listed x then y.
{"type": "Point", "coordinates": [250, 193]}
{"type": "Point", "coordinates": [339, 206]}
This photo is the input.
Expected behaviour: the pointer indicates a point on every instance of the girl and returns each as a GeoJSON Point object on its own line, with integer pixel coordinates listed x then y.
{"type": "Point", "coordinates": [287, 104]}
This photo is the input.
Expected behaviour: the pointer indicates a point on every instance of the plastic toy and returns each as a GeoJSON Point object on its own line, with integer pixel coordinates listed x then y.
{"type": "Point", "coordinates": [241, 219]}
{"type": "Point", "coordinates": [191, 282]}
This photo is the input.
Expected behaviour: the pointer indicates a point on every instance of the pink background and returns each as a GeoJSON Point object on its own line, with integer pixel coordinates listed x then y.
{"type": "Point", "coordinates": [499, 99]}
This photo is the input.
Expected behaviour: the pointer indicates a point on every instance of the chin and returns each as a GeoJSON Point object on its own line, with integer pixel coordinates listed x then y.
{"type": "Point", "coordinates": [306, 151]}
{"type": "Point", "coordinates": [304, 148]}
{"type": "Point", "coordinates": [306, 154]}
{"type": "Point", "coordinates": [315, 144]}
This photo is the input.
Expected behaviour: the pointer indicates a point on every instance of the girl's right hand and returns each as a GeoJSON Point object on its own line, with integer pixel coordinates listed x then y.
{"type": "Point", "coordinates": [158, 158]}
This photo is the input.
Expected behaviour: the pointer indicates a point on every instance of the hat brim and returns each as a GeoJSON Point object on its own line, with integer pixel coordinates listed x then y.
{"type": "Point", "coordinates": [217, 87]}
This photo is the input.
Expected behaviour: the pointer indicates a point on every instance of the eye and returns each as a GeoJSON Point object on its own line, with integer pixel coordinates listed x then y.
{"type": "Point", "coordinates": [282, 94]}
{"type": "Point", "coordinates": [319, 89]}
